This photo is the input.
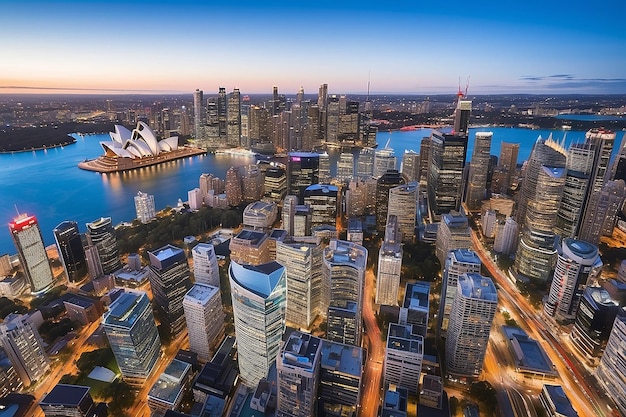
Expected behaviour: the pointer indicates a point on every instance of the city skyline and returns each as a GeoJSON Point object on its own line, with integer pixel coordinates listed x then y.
{"type": "Point", "coordinates": [399, 48]}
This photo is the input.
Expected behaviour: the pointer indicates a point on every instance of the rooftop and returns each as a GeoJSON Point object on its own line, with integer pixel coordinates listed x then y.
{"type": "Point", "coordinates": [65, 394]}
{"type": "Point", "coordinates": [300, 350]}
{"type": "Point", "coordinates": [125, 310]}
{"type": "Point", "coordinates": [561, 402]}
{"type": "Point", "coordinates": [416, 295]}
{"type": "Point", "coordinates": [170, 383]}
{"type": "Point", "coordinates": [467, 256]}
{"type": "Point", "coordinates": [400, 337]}
{"type": "Point", "coordinates": [343, 252]}
{"type": "Point", "coordinates": [478, 287]}
{"type": "Point", "coordinates": [201, 292]}
{"type": "Point", "coordinates": [345, 359]}
{"type": "Point", "coordinates": [260, 279]}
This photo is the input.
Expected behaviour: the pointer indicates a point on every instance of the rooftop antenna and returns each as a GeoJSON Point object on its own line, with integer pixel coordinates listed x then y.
{"type": "Point", "coordinates": [368, 86]}
{"type": "Point", "coordinates": [18, 212]}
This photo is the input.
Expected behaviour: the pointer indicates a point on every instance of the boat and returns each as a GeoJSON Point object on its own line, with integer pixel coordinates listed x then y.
{"type": "Point", "coordinates": [246, 153]}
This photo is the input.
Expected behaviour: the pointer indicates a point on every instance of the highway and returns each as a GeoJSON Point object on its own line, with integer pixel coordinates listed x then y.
{"type": "Point", "coordinates": [583, 397]}
{"type": "Point", "coordinates": [371, 386]}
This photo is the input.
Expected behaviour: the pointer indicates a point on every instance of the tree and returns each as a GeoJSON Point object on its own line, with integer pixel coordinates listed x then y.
{"type": "Point", "coordinates": [485, 393]}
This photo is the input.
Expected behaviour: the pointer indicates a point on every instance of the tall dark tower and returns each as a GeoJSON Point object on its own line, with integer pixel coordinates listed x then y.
{"type": "Point", "coordinates": [101, 234]}
{"type": "Point", "coordinates": [445, 173]}
{"type": "Point", "coordinates": [478, 170]}
{"type": "Point", "coordinates": [199, 114]}
{"type": "Point", "coordinates": [390, 179]}
{"type": "Point", "coordinates": [71, 251]}
{"type": "Point", "coordinates": [462, 115]}
{"type": "Point", "coordinates": [222, 115]}
{"type": "Point", "coordinates": [303, 170]}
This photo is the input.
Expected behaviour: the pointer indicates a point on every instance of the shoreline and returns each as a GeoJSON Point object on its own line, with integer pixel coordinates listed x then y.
{"type": "Point", "coordinates": [40, 148]}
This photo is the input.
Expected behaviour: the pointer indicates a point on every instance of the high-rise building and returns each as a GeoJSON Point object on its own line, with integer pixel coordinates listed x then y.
{"type": "Point", "coordinates": [539, 202]}
{"type": "Point", "coordinates": [384, 160]}
{"type": "Point", "coordinates": [508, 161]}
{"type": "Point", "coordinates": [610, 373]}
{"type": "Point", "coordinates": [205, 319]}
{"type": "Point", "coordinates": [303, 265]}
{"type": "Point", "coordinates": [403, 205]}
{"type": "Point", "coordinates": [233, 117]}
{"type": "Point", "coordinates": [324, 164]}
{"type": "Point", "coordinates": [445, 173]}
{"type": "Point", "coordinates": [66, 400]}
{"type": "Point", "coordinates": [71, 251]}
{"type": "Point", "coordinates": [458, 262]}
{"type": "Point", "coordinates": [234, 193]}
{"type": "Point", "coordinates": [28, 241]}
{"type": "Point", "coordinates": [389, 266]}
{"type": "Point", "coordinates": [275, 184]}
{"type": "Point", "coordinates": [344, 272]}
{"type": "Point", "coordinates": [222, 116]}
{"type": "Point", "coordinates": [365, 163]}
{"type": "Point", "coordinates": [303, 170]}
{"type": "Point", "coordinates": [424, 159]}
{"type": "Point", "coordinates": [250, 247]}
{"type": "Point", "coordinates": [100, 233]}
{"type": "Point", "coordinates": [414, 310]}
{"type": "Point", "coordinates": [24, 348]}
{"type": "Point", "coordinates": [386, 182]}
{"type": "Point", "coordinates": [252, 183]}
{"type": "Point", "coordinates": [473, 311]}
{"type": "Point", "coordinates": [601, 217]}
{"type": "Point", "coordinates": [507, 235]}
{"type": "Point", "coordinates": [478, 170]}
{"type": "Point", "coordinates": [260, 215]}
{"type": "Point", "coordinates": [404, 354]}
{"type": "Point", "coordinates": [453, 233]}
{"type": "Point", "coordinates": [345, 167]}
{"type": "Point", "coordinates": [410, 165]}
{"type": "Point", "coordinates": [169, 280]}
{"type": "Point", "coordinates": [297, 368]}
{"type": "Point", "coordinates": [323, 199]}
{"type": "Point", "coordinates": [578, 261]}
{"type": "Point", "coordinates": [594, 320]}
{"type": "Point", "coordinates": [199, 115]}
{"type": "Point", "coordinates": [341, 372]}
{"type": "Point", "coordinates": [144, 207]}
{"type": "Point", "coordinates": [132, 333]}
{"type": "Point", "coordinates": [259, 302]}
{"type": "Point", "coordinates": [205, 268]}
{"type": "Point", "coordinates": [555, 402]}
{"type": "Point", "coordinates": [288, 212]}
{"type": "Point", "coordinates": [462, 115]}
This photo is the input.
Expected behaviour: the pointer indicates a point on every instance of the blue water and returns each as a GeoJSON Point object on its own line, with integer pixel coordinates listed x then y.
{"type": "Point", "coordinates": [49, 184]}
{"type": "Point", "coordinates": [589, 117]}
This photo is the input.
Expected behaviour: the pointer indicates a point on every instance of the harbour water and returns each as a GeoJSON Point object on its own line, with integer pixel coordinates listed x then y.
{"type": "Point", "coordinates": [49, 184]}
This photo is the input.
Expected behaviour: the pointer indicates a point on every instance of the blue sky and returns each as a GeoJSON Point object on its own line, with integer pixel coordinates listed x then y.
{"type": "Point", "coordinates": [417, 47]}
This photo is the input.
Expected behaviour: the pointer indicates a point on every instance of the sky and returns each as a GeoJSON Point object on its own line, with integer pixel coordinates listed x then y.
{"type": "Point", "coordinates": [403, 47]}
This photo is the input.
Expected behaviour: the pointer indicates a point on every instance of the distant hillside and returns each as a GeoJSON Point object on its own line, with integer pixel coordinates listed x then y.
{"type": "Point", "coordinates": [27, 138]}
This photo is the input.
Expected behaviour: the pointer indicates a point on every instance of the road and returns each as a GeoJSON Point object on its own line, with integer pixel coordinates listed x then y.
{"type": "Point", "coordinates": [582, 396]}
{"type": "Point", "coordinates": [50, 380]}
{"type": "Point", "coordinates": [370, 397]}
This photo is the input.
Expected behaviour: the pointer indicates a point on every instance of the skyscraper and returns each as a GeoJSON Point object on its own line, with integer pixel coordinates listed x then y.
{"type": "Point", "coordinates": [478, 170]}
{"type": "Point", "coordinates": [71, 251]}
{"type": "Point", "coordinates": [594, 320]}
{"type": "Point", "coordinates": [384, 160]}
{"type": "Point", "coordinates": [298, 367]}
{"type": "Point", "coordinates": [199, 114]}
{"type": "Point", "coordinates": [345, 166]}
{"type": "Point", "coordinates": [403, 205]}
{"type": "Point", "coordinates": [458, 262]}
{"type": "Point", "coordinates": [233, 187]}
{"type": "Point", "coordinates": [508, 161]}
{"type": "Point", "coordinates": [233, 129]}
{"type": "Point", "coordinates": [410, 165]}
{"type": "Point", "coordinates": [473, 311]}
{"type": "Point", "coordinates": [259, 301]}
{"type": "Point", "coordinates": [602, 210]}
{"type": "Point", "coordinates": [424, 159]}
{"type": "Point", "coordinates": [344, 271]}
{"type": "Point", "coordinates": [341, 372]}
{"type": "Point", "coordinates": [101, 234]}
{"type": "Point", "coordinates": [205, 319]}
{"type": "Point", "coordinates": [24, 348]}
{"type": "Point", "coordinates": [28, 241]}
{"type": "Point", "coordinates": [386, 182]}
{"type": "Point", "coordinates": [462, 115]}
{"type": "Point", "coordinates": [324, 164]}
{"type": "Point", "coordinates": [540, 197]}
{"type": "Point", "coordinates": [303, 265]}
{"type": "Point", "coordinates": [205, 268]}
{"type": "Point", "coordinates": [445, 173]}
{"type": "Point", "coordinates": [323, 199]}
{"type": "Point", "coordinates": [169, 280]}
{"type": "Point", "coordinates": [144, 207]}
{"type": "Point", "coordinates": [389, 266]}
{"type": "Point", "coordinates": [404, 354]}
{"type": "Point", "coordinates": [132, 333]}
{"type": "Point", "coordinates": [275, 183]}
{"type": "Point", "coordinates": [303, 170]}
{"type": "Point", "coordinates": [453, 233]}
{"type": "Point", "coordinates": [578, 261]}
{"type": "Point", "coordinates": [610, 373]}
{"type": "Point", "coordinates": [414, 309]}
{"type": "Point", "coordinates": [365, 163]}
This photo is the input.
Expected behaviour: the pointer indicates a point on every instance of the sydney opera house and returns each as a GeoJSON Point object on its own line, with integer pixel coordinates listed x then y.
{"type": "Point", "coordinates": [140, 148]}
